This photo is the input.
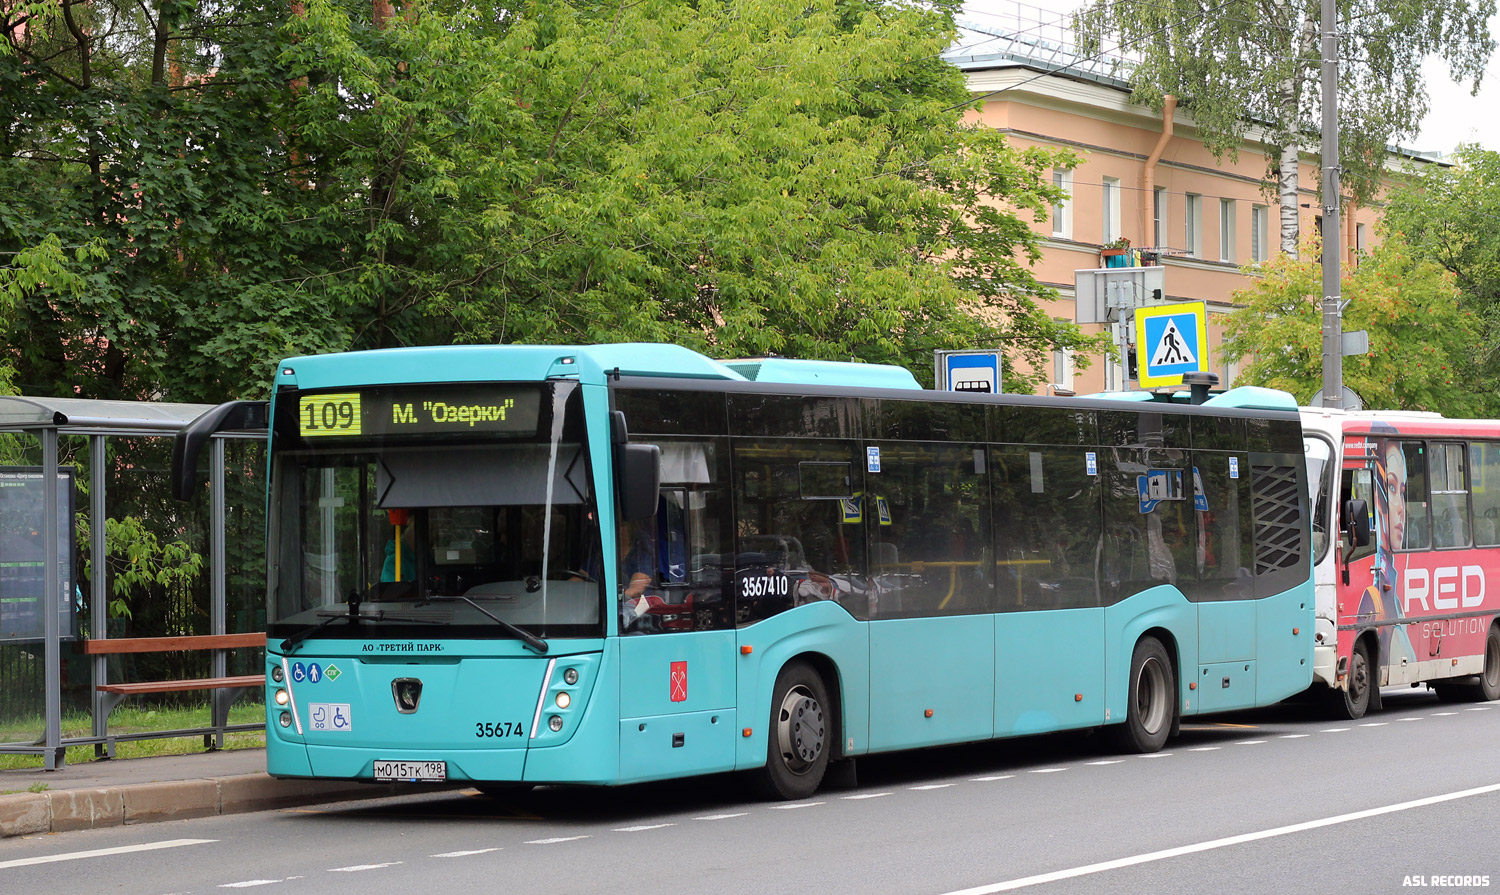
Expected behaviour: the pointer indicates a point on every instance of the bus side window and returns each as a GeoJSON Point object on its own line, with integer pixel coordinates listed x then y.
{"type": "Point", "coordinates": [1357, 485]}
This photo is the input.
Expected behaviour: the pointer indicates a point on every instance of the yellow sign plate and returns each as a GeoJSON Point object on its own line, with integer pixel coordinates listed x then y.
{"type": "Point", "coordinates": [320, 415]}
{"type": "Point", "coordinates": [1170, 340]}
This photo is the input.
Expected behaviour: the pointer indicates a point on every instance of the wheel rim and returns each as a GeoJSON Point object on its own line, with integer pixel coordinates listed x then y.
{"type": "Point", "coordinates": [800, 730]}
{"type": "Point", "coordinates": [1359, 677]}
{"type": "Point", "coordinates": [1151, 695]}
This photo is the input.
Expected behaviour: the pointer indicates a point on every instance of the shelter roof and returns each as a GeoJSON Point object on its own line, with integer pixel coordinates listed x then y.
{"type": "Point", "coordinates": [24, 412]}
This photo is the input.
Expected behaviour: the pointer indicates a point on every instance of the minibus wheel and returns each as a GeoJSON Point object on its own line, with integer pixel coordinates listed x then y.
{"type": "Point", "coordinates": [1151, 712]}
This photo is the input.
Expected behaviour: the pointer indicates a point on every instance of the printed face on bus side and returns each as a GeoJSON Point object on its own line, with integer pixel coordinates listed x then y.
{"type": "Point", "coordinates": [1395, 489]}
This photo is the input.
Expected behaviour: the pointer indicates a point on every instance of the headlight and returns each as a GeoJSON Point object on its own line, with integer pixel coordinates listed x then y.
{"type": "Point", "coordinates": [564, 700]}
{"type": "Point", "coordinates": [571, 676]}
{"type": "Point", "coordinates": [555, 723]}
{"type": "Point", "coordinates": [286, 719]}
{"type": "Point", "coordinates": [281, 697]}
{"type": "Point", "coordinates": [277, 674]}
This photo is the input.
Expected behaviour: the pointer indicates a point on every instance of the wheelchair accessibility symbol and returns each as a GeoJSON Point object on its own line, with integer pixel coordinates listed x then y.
{"type": "Point", "coordinates": [330, 716]}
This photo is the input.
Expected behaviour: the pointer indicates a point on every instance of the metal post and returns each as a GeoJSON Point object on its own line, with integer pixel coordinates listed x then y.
{"type": "Point", "coordinates": [99, 591]}
{"type": "Point", "coordinates": [1333, 354]}
{"type": "Point", "coordinates": [219, 699]}
{"type": "Point", "coordinates": [55, 754]}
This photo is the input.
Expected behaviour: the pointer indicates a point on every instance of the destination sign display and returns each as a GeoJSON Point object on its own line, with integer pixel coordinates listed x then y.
{"type": "Point", "coordinates": [380, 412]}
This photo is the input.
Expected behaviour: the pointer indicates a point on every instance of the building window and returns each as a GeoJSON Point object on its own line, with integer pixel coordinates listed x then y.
{"type": "Point", "coordinates": [1359, 242]}
{"type": "Point", "coordinates": [1226, 230]}
{"type": "Point", "coordinates": [1258, 233]}
{"type": "Point", "coordinates": [1159, 218]}
{"type": "Point", "coordinates": [1111, 210]}
{"type": "Point", "coordinates": [1062, 212]}
{"type": "Point", "coordinates": [1192, 225]}
{"type": "Point", "coordinates": [1062, 364]}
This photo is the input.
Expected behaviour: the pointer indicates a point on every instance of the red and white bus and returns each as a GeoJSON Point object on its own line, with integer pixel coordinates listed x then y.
{"type": "Point", "coordinates": [1406, 541]}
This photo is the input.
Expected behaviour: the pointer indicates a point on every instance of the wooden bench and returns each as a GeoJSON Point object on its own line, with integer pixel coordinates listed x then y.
{"type": "Point", "coordinates": [225, 689]}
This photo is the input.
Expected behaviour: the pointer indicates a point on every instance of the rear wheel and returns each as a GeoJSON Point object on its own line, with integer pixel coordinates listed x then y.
{"type": "Point", "coordinates": [1354, 700]}
{"type": "Point", "coordinates": [1152, 710]}
{"type": "Point", "coordinates": [1488, 687]}
{"type": "Point", "coordinates": [800, 735]}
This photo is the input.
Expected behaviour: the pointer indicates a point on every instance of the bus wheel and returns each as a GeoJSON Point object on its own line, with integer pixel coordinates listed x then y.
{"type": "Point", "coordinates": [1354, 700]}
{"type": "Point", "coordinates": [797, 754]}
{"type": "Point", "coordinates": [1488, 687]}
{"type": "Point", "coordinates": [1152, 710]}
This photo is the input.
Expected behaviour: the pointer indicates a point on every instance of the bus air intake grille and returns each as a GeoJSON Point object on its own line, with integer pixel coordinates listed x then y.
{"type": "Point", "coordinates": [1278, 536]}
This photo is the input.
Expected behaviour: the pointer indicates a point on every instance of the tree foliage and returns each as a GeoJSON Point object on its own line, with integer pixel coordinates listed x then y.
{"type": "Point", "coordinates": [1239, 66]}
{"type": "Point", "coordinates": [742, 178]}
{"type": "Point", "coordinates": [1452, 216]}
{"type": "Point", "coordinates": [1422, 342]}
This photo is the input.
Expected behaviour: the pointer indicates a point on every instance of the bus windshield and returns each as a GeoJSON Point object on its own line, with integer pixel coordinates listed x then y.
{"type": "Point", "coordinates": [430, 530]}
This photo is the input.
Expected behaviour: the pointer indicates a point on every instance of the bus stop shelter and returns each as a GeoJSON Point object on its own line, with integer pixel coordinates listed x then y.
{"type": "Point", "coordinates": [46, 620]}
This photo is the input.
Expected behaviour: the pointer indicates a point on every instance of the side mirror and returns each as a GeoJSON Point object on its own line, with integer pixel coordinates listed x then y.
{"type": "Point", "coordinates": [1357, 521]}
{"type": "Point", "coordinates": [189, 443]}
{"type": "Point", "coordinates": [637, 480]}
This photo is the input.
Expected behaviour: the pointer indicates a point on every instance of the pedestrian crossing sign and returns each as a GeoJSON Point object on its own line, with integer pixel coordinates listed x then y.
{"type": "Point", "coordinates": [1171, 340]}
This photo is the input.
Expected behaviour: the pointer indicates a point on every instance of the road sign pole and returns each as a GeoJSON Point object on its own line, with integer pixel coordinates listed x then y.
{"type": "Point", "coordinates": [1333, 353]}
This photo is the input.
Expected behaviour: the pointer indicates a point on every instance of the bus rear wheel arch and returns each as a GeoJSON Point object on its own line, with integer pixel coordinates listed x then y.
{"type": "Point", "coordinates": [802, 733]}
{"type": "Point", "coordinates": [1487, 683]}
{"type": "Point", "coordinates": [1151, 707]}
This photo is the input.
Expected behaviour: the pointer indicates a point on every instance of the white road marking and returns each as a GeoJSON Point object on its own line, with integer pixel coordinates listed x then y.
{"type": "Point", "coordinates": [795, 805]}
{"type": "Point", "coordinates": [464, 854]}
{"type": "Point", "coordinates": [1334, 730]}
{"type": "Point", "coordinates": [930, 786]}
{"type": "Point", "coordinates": [991, 779]}
{"type": "Point", "coordinates": [1249, 742]}
{"type": "Point", "coordinates": [356, 868]}
{"type": "Point", "coordinates": [558, 839]}
{"type": "Point", "coordinates": [1088, 869]}
{"type": "Point", "coordinates": [249, 883]}
{"type": "Point", "coordinates": [103, 852]}
{"type": "Point", "coordinates": [1375, 724]}
{"type": "Point", "coordinates": [1294, 736]}
{"type": "Point", "coordinates": [643, 828]}
{"type": "Point", "coordinates": [1204, 749]}
{"type": "Point", "coordinates": [1443, 714]}
{"type": "Point", "coordinates": [1107, 761]}
{"type": "Point", "coordinates": [1478, 708]}
{"type": "Point", "coordinates": [1156, 755]}
{"type": "Point", "coordinates": [1047, 770]}
{"type": "Point", "coordinates": [866, 795]}
{"type": "Point", "coordinates": [1418, 718]}
{"type": "Point", "coordinates": [721, 816]}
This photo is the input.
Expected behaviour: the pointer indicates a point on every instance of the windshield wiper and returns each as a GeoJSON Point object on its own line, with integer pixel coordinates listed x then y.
{"type": "Point", "coordinates": [352, 616]}
{"type": "Point", "coordinates": [532, 641]}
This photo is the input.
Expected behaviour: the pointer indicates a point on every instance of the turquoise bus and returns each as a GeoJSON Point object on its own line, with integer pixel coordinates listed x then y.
{"type": "Point", "coordinates": [520, 565]}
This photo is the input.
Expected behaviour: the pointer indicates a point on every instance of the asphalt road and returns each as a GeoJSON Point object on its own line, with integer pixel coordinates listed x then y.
{"type": "Point", "coordinates": [1275, 800]}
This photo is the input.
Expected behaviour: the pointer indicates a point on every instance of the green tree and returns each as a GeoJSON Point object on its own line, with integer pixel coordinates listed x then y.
{"type": "Point", "coordinates": [1450, 215]}
{"type": "Point", "coordinates": [748, 178]}
{"type": "Point", "coordinates": [1243, 65]}
{"type": "Point", "coordinates": [1421, 341]}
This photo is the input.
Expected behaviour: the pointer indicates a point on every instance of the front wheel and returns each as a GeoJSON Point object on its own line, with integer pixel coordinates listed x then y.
{"type": "Point", "coordinates": [1353, 701]}
{"type": "Point", "coordinates": [1152, 711]}
{"type": "Point", "coordinates": [800, 735]}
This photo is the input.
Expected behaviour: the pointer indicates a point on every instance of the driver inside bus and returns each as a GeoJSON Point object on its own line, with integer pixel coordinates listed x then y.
{"type": "Point", "coordinates": [637, 562]}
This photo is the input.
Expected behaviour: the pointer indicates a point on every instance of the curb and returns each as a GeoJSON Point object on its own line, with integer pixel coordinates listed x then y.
{"type": "Point", "coordinates": [30, 813]}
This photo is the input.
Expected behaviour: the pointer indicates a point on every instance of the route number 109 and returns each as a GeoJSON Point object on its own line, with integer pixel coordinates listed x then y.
{"type": "Point", "coordinates": [329, 415]}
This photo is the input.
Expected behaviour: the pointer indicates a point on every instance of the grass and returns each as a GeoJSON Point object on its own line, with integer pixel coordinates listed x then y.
{"type": "Point", "coordinates": [130, 719]}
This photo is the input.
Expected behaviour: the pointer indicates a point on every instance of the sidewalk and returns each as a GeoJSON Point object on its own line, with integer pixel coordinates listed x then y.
{"type": "Point", "coordinates": [170, 787]}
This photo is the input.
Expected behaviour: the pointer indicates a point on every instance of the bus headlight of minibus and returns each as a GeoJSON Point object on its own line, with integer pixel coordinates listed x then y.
{"type": "Point", "coordinates": [277, 674]}
{"type": "Point", "coordinates": [563, 701]}
{"type": "Point", "coordinates": [285, 719]}
{"type": "Point", "coordinates": [555, 722]}
{"type": "Point", "coordinates": [571, 676]}
{"type": "Point", "coordinates": [281, 697]}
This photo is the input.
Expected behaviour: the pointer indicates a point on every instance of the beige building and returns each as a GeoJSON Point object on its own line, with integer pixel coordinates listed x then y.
{"type": "Point", "coordinates": [1143, 176]}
